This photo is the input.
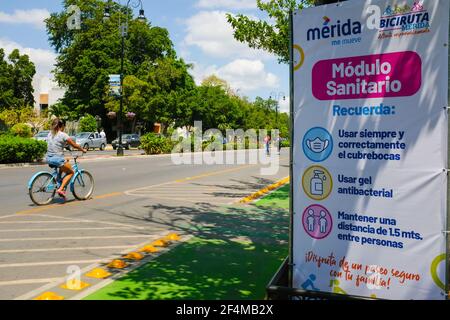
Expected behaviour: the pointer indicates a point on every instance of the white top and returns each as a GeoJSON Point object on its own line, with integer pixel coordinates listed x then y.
{"type": "Point", "coordinates": [56, 143]}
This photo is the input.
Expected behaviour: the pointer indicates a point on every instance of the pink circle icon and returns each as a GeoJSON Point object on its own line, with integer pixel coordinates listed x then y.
{"type": "Point", "coordinates": [317, 222]}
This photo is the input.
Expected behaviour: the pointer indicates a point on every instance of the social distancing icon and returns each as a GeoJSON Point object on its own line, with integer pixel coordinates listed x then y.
{"type": "Point", "coordinates": [317, 183]}
{"type": "Point", "coordinates": [317, 221]}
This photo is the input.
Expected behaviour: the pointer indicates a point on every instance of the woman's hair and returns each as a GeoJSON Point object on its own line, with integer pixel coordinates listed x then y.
{"type": "Point", "coordinates": [57, 125]}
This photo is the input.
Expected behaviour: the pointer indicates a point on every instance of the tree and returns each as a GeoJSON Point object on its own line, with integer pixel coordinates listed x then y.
{"type": "Point", "coordinates": [63, 111]}
{"type": "Point", "coordinates": [22, 73]}
{"type": "Point", "coordinates": [88, 124]}
{"type": "Point", "coordinates": [21, 130]}
{"type": "Point", "coordinates": [270, 36]}
{"type": "Point", "coordinates": [215, 81]}
{"type": "Point", "coordinates": [16, 77]}
{"type": "Point", "coordinates": [154, 94]}
{"type": "Point", "coordinates": [17, 115]}
{"type": "Point", "coordinates": [27, 115]}
{"type": "Point", "coordinates": [87, 56]}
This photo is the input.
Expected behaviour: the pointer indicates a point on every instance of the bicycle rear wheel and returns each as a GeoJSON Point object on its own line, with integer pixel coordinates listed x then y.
{"type": "Point", "coordinates": [83, 186]}
{"type": "Point", "coordinates": [43, 189]}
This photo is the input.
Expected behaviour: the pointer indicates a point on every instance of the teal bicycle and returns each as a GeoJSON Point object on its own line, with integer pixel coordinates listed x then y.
{"type": "Point", "coordinates": [43, 185]}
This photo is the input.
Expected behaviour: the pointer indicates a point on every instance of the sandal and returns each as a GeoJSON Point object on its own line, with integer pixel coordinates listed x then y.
{"type": "Point", "coordinates": [62, 194]}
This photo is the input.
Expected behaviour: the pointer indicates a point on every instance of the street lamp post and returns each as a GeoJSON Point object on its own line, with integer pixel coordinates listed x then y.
{"type": "Point", "coordinates": [277, 97]}
{"type": "Point", "coordinates": [124, 33]}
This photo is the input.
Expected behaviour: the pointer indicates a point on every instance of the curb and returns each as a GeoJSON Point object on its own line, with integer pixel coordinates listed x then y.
{"type": "Point", "coordinates": [21, 165]}
{"type": "Point", "coordinates": [265, 191]}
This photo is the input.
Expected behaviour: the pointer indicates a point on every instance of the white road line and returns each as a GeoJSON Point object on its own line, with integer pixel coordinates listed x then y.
{"type": "Point", "coordinates": [65, 229]}
{"type": "Point", "coordinates": [128, 192]}
{"type": "Point", "coordinates": [36, 222]}
{"type": "Point", "coordinates": [64, 249]}
{"type": "Point", "coordinates": [10, 216]}
{"type": "Point", "coordinates": [184, 194]}
{"type": "Point", "coordinates": [27, 281]}
{"type": "Point", "coordinates": [188, 188]}
{"type": "Point", "coordinates": [51, 263]}
{"type": "Point", "coordinates": [204, 199]}
{"type": "Point", "coordinates": [76, 238]}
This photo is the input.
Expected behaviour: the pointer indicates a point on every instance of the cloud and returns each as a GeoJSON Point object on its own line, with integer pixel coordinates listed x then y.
{"type": "Point", "coordinates": [43, 59]}
{"type": "Point", "coordinates": [35, 17]}
{"type": "Point", "coordinates": [229, 4]}
{"type": "Point", "coordinates": [243, 75]}
{"type": "Point", "coordinates": [211, 32]}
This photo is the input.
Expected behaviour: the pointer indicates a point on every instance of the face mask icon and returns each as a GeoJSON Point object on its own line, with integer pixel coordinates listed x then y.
{"type": "Point", "coordinates": [317, 145]}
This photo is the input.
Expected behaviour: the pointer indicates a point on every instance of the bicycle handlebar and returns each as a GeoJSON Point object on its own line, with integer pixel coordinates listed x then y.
{"type": "Point", "coordinates": [76, 156]}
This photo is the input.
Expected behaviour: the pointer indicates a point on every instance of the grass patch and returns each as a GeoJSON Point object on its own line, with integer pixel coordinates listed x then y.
{"type": "Point", "coordinates": [277, 199]}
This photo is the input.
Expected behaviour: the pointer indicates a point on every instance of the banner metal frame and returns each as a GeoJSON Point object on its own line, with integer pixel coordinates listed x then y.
{"type": "Point", "coordinates": [447, 234]}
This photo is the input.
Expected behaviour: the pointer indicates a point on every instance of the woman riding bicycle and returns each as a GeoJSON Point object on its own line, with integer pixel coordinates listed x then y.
{"type": "Point", "coordinates": [56, 141]}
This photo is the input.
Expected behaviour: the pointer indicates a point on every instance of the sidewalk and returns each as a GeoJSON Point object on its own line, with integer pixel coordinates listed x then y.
{"type": "Point", "coordinates": [233, 254]}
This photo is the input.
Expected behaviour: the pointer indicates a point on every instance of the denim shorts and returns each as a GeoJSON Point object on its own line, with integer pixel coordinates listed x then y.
{"type": "Point", "coordinates": [56, 161]}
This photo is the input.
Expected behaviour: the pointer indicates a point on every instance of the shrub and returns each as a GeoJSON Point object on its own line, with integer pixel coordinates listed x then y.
{"type": "Point", "coordinates": [20, 150]}
{"type": "Point", "coordinates": [285, 143]}
{"type": "Point", "coordinates": [88, 124]}
{"type": "Point", "coordinates": [153, 143]}
{"type": "Point", "coordinates": [21, 130]}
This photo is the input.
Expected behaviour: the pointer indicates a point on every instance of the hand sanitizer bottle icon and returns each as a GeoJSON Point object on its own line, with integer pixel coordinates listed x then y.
{"type": "Point", "coordinates": [317, 183]}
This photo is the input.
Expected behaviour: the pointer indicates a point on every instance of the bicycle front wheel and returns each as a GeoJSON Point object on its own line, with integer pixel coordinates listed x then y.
{"type": "Point", "coordinates": [83, 186]}
{"type": "Point", "coordinates": [43, 189]}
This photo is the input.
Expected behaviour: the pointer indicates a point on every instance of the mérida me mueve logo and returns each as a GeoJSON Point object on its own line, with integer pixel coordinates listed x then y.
{"type": "Point", "coordinates": [339, 29]}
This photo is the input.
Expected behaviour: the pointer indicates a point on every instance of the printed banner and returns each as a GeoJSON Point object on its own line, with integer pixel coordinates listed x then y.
{"type": "Point", "coordinates": [370, 151]}
{"type": "Point", "coordinates": [114, 85]}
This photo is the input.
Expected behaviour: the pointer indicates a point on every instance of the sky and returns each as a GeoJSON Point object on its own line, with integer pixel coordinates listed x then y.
{"type": "Point", "coordinates": [198, 29]}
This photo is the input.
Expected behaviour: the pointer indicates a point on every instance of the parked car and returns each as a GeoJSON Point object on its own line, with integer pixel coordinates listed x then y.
{"type": "Point", "coordinates": [128, 141]}
{"type": "Point", "coordinates": [42, 136]}
{"type": "Point", "coordinates": [91, 140]}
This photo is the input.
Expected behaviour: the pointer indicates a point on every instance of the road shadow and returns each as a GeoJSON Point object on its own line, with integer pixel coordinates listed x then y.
{"type": "Point", "coordinates": [233, 254]}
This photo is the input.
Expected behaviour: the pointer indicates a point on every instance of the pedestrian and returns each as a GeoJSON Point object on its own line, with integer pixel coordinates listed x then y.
{"type": "Point", "coordinates": [279, 140]}
{"type": "Point", "coordinates": [103, 134]}
{"type": "Point", "coordinates": [267, 141]}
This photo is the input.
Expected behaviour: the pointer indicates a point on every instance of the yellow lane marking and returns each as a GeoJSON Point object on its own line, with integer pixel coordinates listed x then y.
{"type": "Point", "coordinates": [109, 195]}
{"type": "Point", "coordinates": [264, 191]}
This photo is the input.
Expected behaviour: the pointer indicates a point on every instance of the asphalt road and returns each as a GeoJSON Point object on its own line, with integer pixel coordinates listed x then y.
{"type": "Point", "coordinates": [137, 199]}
